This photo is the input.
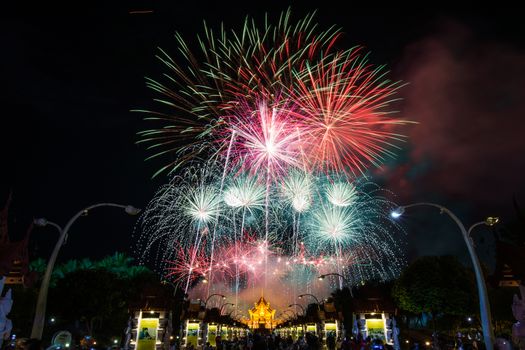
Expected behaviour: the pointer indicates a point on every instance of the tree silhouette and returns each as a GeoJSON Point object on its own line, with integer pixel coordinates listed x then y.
{"type": "Point", "coordinates": [438, 285]}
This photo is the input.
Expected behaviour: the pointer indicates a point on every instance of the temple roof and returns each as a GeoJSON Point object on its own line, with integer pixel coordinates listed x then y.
{"type": "Point", "coordinates": [262, 303]}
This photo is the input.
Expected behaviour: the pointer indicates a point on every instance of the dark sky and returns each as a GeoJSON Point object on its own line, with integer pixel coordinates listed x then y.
{"type": "Point", "coordinates": [70, 75]}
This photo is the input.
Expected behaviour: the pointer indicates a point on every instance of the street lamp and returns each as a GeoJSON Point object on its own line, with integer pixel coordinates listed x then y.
{"type": "Point", "coordinates": [341, 277]}
{"type": "Point", "coordinates": [484, 306]}
{"type": "Point", "coordinates": [294, 314]}
{"type": "Point", "coordinates": [40, 312]}
{"type": "Point", "coordinates": [302, 308]}
{"type": "Point", "coordinates": [313, 296]}
{"type": "Point", "coordinates": [223, 305]}
{"type": "Point", "coordinates": [216, 294]}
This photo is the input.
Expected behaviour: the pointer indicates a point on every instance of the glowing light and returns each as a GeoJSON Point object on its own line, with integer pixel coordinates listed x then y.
{"type": "Point", "coordinates": [397, 213]}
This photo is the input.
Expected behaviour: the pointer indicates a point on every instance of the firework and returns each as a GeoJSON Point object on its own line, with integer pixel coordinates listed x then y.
{"type": "Point", "coordinates": [265, 139]}
{"type": "Point", "coordinates": [343, 107]}
{"type": "Point", "coordinates": [288, 128]}
{"type": "Point", "coordinates": [297, 189]}
{"type": "Point", "coordinates": [346, 229]}
{"type": "Point", "coordinates": [341, 194]}
{"type": "Point", "coordinates": [251, 64]}
{"type": "Point", "coordinates": [203, 205]}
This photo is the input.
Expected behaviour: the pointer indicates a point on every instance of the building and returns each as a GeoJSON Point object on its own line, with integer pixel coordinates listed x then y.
{"type": "Point", "coordinates": [14, 261]}
{"type": "Point", "coordinates": [262, 316]}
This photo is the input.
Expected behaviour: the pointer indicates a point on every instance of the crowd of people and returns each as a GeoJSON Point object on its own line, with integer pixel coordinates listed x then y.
{"type": "Point", "coordinates": [308, 342]}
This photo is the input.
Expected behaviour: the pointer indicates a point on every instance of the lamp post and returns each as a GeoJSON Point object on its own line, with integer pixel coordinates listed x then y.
{"type": "Point", "coordinates": [302, 308]}
{"type": "Point", "coordinates": [294, 314]}
{"type": "Point", "coordinates": [313, 296]}
{"type": "Point", "coordinates": [223, 305]}
{"type": "Point", "coordinates": [235, 313]}
{"type": "Point", "coordinates": [341, 277]}
{"type": "Point", "coordinates": [212, 295]}
{"type": "Point", "coordinates": [40, 312]}
{"type": "Point", "coordinates": [484, 306]}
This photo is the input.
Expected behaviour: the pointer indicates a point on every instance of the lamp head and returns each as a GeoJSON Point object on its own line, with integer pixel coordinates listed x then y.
{"type": "Point", "coordinates": [131, 210]}
{"type": "Point", "coordinates": [396, 213]}
{"type": "Point", "coordinates": [320, 278]}
{"type": "Point", "coordinates": [42, 222]}
{"type": "Point", "coordinates": [300, 296]}
{"type": "Point", "coordinates": [491, 220]}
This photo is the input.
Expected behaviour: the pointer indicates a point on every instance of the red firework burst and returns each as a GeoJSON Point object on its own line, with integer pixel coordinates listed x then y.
{"type": "Point", "coordinates": [343, 113]}
{"type": "Point", "coordinates": [190, 263]}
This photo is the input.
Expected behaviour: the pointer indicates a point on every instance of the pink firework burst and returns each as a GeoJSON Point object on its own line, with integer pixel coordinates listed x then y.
{"type": "Point", "coordinates": [343, 109]}
{"type": "Point", "coordinates": [265, 137]}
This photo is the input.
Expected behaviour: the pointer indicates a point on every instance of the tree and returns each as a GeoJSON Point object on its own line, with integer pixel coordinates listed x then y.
{"type": "Point", "coordinates": [438, 285]}
{"type": "Point", "coordinates": [343, 299]}
{"type": "Point", "coordinates": [500, 304]}
{"type": "Point", "coordinates": [95, 298]}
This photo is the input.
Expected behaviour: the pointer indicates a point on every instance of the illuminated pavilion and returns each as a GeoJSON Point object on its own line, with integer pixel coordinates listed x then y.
{"type": "Point", "coordinates": [262, 316]}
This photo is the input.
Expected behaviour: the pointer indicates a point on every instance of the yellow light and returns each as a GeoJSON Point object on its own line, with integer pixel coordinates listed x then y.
{"type": "Point", "coordinates": [427, 343]}
{"type": "Point", "coordinates": [406, 341]}
{"type": "Point", "coordinates": [491, 220]}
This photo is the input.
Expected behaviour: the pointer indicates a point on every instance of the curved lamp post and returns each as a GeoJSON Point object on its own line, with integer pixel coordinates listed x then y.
{"type": "Point", "coordinates": [40, 312]}
{"type": "Point", "coordinates": [294, 314]}
{"type": "Point", "coordinates": [302, 308]}
{"type": "Point", "coordinates": [341, 277]}
{"type": "Point", "coordinates": [313, 296]}
{"type": "Point", "coordinates": [484, 306]}
{"type": "Point", "coordinates": [212, 295]}
{"type": "Point", "coordinates": [223, 305]}
{"type": "Point", "coordinates": [235, 313]}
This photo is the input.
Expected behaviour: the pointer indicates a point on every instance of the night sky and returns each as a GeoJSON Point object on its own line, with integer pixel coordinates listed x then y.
{"type": "Point", "coordinates": [71, 75]}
